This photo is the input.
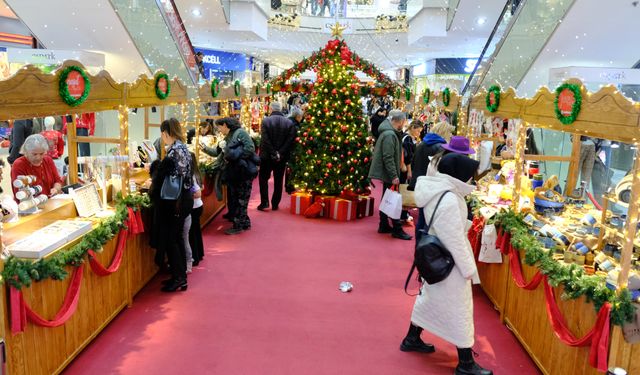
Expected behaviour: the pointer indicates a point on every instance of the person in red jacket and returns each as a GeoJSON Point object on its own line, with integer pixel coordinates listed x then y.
{"type": "Point", "coordinates": [54, 138]}
{"type": "Point", "coordinates": [36, 162]}
{"type": "Point", "coordinates": [85, 126]}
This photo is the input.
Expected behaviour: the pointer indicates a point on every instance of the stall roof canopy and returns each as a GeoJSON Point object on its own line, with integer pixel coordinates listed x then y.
{"type": "Point", "coordinates": [142, 92]}
{"type": "Point", "coordinates": [32, 93]}
{"type": "Point", "coordinates": [605, 114]}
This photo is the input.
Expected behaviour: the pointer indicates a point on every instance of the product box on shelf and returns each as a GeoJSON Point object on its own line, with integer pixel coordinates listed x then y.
{"type": "Point", "coordinates": [45, 240]}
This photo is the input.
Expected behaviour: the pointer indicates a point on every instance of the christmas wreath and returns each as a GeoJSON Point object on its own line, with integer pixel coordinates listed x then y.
{"type": "Point", "coordinates": [446, 96]}
{"type": "Point", "coordinates": [162, 95]}
{"type": "Point", "coordinates": [236, 87]}
{"type": "Point", "coordinates": [492, 107]}
{"type": "Point", "coordinates": [575, 108]}
{"type": "Point", "coordinates": [63, 88]}
{"type": "Point", "coordinates": [215, 88]}
{"type": "Point", "coordinates": [407, 94]}
{"type": "Point", "coordinates": [426, 95]}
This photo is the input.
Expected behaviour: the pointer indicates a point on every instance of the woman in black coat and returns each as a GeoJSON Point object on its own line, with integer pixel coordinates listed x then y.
{"type": "Point", "coordinates": [376, 120]}
{"type": "Point", "coordinates": [169, 215]}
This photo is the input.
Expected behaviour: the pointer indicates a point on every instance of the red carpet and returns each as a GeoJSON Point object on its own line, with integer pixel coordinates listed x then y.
{"type": "Point", "coordinates": [267, 302]}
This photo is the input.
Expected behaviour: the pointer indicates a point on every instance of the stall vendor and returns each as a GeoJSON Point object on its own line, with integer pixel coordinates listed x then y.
{"type": "Point", "coordinates": [36, 162]}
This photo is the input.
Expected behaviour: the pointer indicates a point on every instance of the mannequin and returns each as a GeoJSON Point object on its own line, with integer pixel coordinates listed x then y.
{"type": "Point", "coordinates": [56, 143]}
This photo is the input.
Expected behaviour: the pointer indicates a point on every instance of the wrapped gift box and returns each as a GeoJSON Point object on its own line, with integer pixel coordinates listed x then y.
{"type": "Point", "coordinates": [342, 209]}
{"type": "Point", "coordinates": [365, 206]}
{"type": "Point", "coordinates": [300, 202]}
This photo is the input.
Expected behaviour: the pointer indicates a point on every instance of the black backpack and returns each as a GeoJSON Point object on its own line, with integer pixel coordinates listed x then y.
{"type": "Point", "coordinates": [433, 261]}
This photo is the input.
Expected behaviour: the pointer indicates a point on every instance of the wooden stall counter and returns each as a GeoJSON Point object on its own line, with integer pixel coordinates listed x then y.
{"type": "Point", "coordinates": [43, 349]}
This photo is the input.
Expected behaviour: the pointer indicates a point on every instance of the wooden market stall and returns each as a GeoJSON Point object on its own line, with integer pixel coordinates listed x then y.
{"type": "Point", "coordinates": [53, 332]}
{"type": "Point", "coordinates": [512, 285]}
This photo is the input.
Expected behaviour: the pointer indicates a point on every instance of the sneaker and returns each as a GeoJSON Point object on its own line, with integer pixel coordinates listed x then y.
{"type": "Point", "coordinates": [233, 230]}
{"type": "Point", "coordinates": [263, 207]}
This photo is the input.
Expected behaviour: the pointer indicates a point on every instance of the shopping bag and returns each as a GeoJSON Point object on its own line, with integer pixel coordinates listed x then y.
{"type": "Point", "coordinates": [408, 196]}
{"type": "Point", "coordinates": [391, 203]}
{"type": "Point", "coordinates": [489, 253]}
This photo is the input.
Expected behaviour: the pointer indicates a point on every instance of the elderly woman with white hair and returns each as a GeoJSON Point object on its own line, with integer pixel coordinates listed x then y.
{"type": "Point", "coordinates": [36, 162]}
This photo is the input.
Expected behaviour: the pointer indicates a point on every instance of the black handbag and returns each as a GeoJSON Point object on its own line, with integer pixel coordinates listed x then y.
{"type": "Point", "coordinates": [432, 259]}
{"type": "Point", "coordinates": [171, 188]}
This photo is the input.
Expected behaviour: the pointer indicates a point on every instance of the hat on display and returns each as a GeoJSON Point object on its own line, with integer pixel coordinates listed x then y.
{"type": "Point", "coordinates": [459, 145]}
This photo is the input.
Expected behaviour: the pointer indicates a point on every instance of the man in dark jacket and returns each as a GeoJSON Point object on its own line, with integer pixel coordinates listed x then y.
{"type": "Point", "coordinates": [376, 120]}
{"type": "Point", "coordinates": [21, 130]}
{"type": "Point", "coordinates": [385, 166]}
{"type": "Point", "coordinates": [277, 136]}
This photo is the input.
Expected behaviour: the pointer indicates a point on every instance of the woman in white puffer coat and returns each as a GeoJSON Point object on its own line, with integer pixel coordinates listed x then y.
{"type": "Point", "coordinates": [446, 308]}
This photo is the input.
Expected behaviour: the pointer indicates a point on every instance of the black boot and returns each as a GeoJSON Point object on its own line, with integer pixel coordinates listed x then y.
{"type": "Point", "coordinates": [413, 342]}
{"type": "Point", "coordinates": [384, 228]}
{"type": "Point", "coordinates": [467, 366]}
{"type": "Point", "coordinates": [400, 234]}
{"type": "Point", "coordinates": [175, 284]}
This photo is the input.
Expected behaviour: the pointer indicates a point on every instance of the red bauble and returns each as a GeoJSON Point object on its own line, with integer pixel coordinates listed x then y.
{"type": "Point", "coordinates": [366, 160]}
{"type": "Point", "coordinates": [309, 152]}
{"type": "Point", "coordinates": [354, 86]}
{"type": "Point", "coordinates": [349, 153]}
{"type": "Point", "coordinates": [325, 110]}
{"type": "Point", "coordinates": [344, 128]}
{"type": "Point", "coordinates": [311, 138]}
{"type": "Point", "coordinates": [347, 102]}
{"type": "Point", "coordinates": [320, 182]}
{"type": "Point", "coordinates": [359, 145]}
{"type": "Point", "coordinates": [352, 169]}
{"type": "Point", "coordinates": [305, 134]}
{"type": "Point", "coordinates": [323, 54]}
{"type": "Point", "coordinates": [314, 93]}
{"type": "Point", "coordinates": [327, 61]}
{"type": "Point", "coordinates": [332, 147]}
{"type": "Point", "coordinates": [339, 182]}
{"type": "Point", "coordinates": [318, 162]}
{"type": "Point", "coordinates": [320, 79]}
{"type": "Point", "coordinates": [346, 141]}
{"type": "Point", "coordinates": [297, 139]}
{"type": "Point", "coordinates": [359, 134]}
{"type": "Point", "coordinates": [341, 157]}
{"type": "Point", "coordinates": [329, 165]}
{"type": "Point", "coordinates": [334, 91]}
{"type": "Point", "coordinates": [339, 166]}
{"type": "Point", "coordinates": [322, 124]}
{"type": "Point", "coordinates": [338, 117]}
{"type": "Point", "coordinates": [343, 62]}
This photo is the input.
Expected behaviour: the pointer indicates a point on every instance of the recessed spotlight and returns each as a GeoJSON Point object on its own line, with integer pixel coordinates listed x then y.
{"type": "Point", "coordinates": [481, 20]}
{"type": "Point", "coordinates": [196, 12]}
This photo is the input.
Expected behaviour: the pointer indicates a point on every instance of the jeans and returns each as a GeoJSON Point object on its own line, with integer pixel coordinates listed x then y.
{"type": "Point", "coordinates": [185, 236]}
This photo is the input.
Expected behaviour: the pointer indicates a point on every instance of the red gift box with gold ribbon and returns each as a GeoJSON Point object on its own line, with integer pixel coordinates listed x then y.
{"type": "Point", "coordinates": [300, 202]}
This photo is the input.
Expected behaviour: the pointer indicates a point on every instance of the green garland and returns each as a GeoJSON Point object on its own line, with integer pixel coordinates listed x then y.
{"type": "Point", "coordinates": [236, 87]}
{"type": "Point", "coordinates": [215, 88]}
{"type": "Point", "coordinates": [407, 94]}
{"type": "Point", "coordinates": [162, 95]}
{"type": "Point", "coordinates": [495, 89]}
{"type": "Point", "coordinates": [258, 86]}
{"type": "Point", "coordinates": [446, 96]}
{"type": "Point", "coordinates": [20, 272]}
{"type": "Point", "coordinates": [577, 105]}
{"type": "Point", "coordinates": [571, 277]}
{"type": "Point", "coordinates": [268, 88]}
{"type": "Point", "coordinates": [63, 88]}
{"type": "Point", "coordinates": [426, 95]}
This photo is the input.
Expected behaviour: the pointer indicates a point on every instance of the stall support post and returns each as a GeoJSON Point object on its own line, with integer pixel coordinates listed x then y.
{"type": "Point", "coordinates": [196, 146]}
{"type": "Point", "coordinates": [73, 151]}
{"type": "Point", "coordinates": [632, 223]}
{"type": "Point", "coordinates": [123, 115]}
{"type": "Point", "coordinates": [519, 161]}
{"type": "Point", "coordinates": [146, 123]}
{"type": "Point", "coordinates": [572, 175]}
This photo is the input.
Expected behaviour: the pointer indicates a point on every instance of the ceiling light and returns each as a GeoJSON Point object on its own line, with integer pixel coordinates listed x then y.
{"type": "Point", "coordinates": [196, 12]}
{"type": "Point", "coordinates": [481, 20]}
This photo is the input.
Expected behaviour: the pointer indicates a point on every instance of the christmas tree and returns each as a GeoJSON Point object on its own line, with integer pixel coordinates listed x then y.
{"type": "Point", "coordinates": [332, 154]}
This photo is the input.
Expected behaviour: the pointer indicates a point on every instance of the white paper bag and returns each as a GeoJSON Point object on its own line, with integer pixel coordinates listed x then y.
{"type": "Point", "coordinates": [391, 204]}
{"type": "Point", "coordinates": [489, 253]}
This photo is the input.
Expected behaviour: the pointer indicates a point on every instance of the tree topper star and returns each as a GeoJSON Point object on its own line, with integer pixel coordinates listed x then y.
{"type": "Point", "coordinates": [337, 30]}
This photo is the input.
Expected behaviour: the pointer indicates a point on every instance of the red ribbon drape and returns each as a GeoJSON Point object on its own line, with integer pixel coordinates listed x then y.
{"type": "Point", "coordinates": [597, 338]}
{"type": "Point", "coordinates": [21, 312]}
{"type": "Point", "coordinates": [98, 268]}
{"type": "Point", "coordinates": [475, 235]}
{"type": "Point", "coordinates": [516, 272]}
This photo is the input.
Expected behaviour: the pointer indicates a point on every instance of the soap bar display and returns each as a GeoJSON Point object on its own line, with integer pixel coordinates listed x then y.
{"type": "Point", "coordinates": [43, 241]}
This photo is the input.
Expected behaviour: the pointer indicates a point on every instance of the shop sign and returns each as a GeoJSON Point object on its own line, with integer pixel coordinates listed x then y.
{"type": "Point", "coordinates": [217, 61]}
{"type": "Point", "coordinates": [75, 84]}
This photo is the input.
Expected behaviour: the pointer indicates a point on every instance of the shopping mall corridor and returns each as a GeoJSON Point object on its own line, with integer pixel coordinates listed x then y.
{"type": "Point", "coordinates": [267, 302]}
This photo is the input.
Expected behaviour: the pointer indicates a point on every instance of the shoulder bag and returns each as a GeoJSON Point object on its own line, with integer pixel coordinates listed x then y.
{"type": "Point", "coordinates": [171, 188]}
{"type": "Point", "coordinates": [432, 259]}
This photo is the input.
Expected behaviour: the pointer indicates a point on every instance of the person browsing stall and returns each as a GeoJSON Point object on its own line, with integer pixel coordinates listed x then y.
{"type": "Point", "coordinates": [36, 162]}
